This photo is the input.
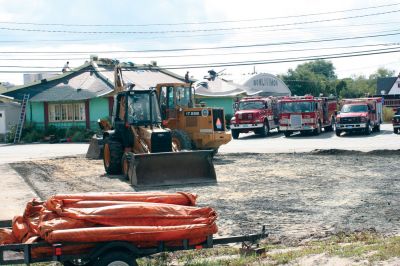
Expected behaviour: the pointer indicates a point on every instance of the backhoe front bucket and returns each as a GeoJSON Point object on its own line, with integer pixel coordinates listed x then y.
{"type": "Point", "coordinates": [172, 168]}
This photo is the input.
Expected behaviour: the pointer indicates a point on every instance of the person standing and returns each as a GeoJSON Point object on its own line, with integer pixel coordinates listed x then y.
{"type": "Point", "coordinates": [66, 67]}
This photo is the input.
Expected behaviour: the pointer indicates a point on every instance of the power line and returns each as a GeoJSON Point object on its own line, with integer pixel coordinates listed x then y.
{"type": "Point", "coordinates": [395, 32]}
{"type": "Point", "coordinates": [196, 23]}
{"type": "Point", "coordinates": [209, 54]}
{"type": "Point", "coordinates": [197, 30]}
{"type": "Point", "coordinates": [203, 35]}
{"type": "Point", "coordinates": [245, 63]}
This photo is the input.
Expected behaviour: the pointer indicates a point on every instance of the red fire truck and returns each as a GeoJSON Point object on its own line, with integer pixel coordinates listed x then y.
{"type": "Point", "coordinates": [257, 114]}
{"type": "Point", "coordinates": [307, 114]}
{"type": "Point", "coordinates": [361, 114]}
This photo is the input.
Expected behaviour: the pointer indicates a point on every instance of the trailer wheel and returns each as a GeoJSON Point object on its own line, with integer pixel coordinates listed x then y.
{"type": "Point", "coordinates": [116, 258]}
{"type": "Point", "coordinates": [235, 134]}
{"type": "Point", "coordinates": [180, 140]}
{"type": "Point", "coordinates": [112, 155]}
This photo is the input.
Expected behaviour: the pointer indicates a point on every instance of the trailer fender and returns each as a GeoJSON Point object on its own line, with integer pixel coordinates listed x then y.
{"type": "Point", "coordinates": [108, 247]}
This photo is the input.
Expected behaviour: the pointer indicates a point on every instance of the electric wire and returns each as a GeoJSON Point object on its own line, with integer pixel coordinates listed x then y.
{"type": "Point", "coordinates": [199, 30]}
{"type": "Point", "coordinates": [197, 23]}
{"type": "Point", "coordinates": [244, 63]}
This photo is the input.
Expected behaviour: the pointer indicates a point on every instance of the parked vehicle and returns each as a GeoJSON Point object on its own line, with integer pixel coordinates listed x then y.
{"type": "Point", "coordinates": [307, 114]}
{"type": "Point", "coordinates": [361, 114]}
{"type": "Point", "coordinates": [105, 253]}
{"type": "Point", "coordinates": [256, 114]}
{"type": "Point", "coordinates": [396, 121]}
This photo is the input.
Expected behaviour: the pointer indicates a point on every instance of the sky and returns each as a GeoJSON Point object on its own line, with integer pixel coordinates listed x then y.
{"type": "Point", "coordinates": [235, 38]}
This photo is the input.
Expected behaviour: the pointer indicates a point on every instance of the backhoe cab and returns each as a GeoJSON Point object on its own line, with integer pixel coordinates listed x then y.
{"type": "Point", "coordinates": [193, 127]}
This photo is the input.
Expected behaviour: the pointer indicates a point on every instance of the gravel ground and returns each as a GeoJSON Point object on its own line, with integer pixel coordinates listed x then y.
{"type": "Point", "coordinates": [297, 196]}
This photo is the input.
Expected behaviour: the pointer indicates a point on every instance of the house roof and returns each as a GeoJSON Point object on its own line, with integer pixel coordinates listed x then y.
{"type": "Point", "coordinates": [143, 76]}
{"type": "Point", "coordinates": [79, 84]}
{"type": "Point", "coordinates": [6, 99]}
{"type": "Point", "coordinates": [384, 84]}
{"type": "Point", "coordinates": [93, 79]}
{"type": "Point", "coordinates": [219, 88]}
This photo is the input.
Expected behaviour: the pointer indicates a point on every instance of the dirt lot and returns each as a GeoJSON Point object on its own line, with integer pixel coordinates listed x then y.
{"type": "Point", "coordinates": [297, 196]}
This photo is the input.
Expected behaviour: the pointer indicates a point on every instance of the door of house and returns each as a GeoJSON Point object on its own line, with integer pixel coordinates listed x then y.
{"type": "Point", "coordinates": [2, 122]}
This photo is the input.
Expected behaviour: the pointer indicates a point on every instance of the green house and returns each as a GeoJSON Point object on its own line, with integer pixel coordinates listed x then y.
{"type": "Point", "coordinates": [218, 92]}
{"type": "Point", "coordinates": [78, 98]}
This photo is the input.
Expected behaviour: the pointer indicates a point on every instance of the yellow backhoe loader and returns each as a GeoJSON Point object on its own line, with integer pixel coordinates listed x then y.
{"type": "Point", "coordinates": [193, 127]}
{"type": "Point", "coordinates": [140, 148]}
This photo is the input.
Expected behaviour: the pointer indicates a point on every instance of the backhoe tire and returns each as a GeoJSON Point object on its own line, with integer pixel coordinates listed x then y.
{"type": "Point", "coordinates": [112, 155]}
{"type": "Point", "coordinates": [181, 140]}
{"type": "Point", "coordinates": [235, 134]}
{"type": "Point", "coordinates": [116, 258]}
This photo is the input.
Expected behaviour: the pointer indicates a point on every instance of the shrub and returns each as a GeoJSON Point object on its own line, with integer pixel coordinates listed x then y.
{"type": "Point", "coordinates": [228, 118]}
{"type": "Point", "coordinates": [388, 114]}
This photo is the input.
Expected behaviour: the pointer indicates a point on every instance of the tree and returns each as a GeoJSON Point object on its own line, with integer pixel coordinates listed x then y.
{"type": "Point", "coordinates": [313, 78]}
{"type": "Point", "coordinates": [382, 73]}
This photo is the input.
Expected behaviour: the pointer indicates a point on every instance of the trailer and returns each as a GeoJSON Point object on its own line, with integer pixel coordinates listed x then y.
{"type": "Point", "coordinates": [111, 252]}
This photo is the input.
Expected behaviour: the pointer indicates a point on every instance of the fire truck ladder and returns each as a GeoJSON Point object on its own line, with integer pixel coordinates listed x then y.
{"type": "Point", "coordinates": [18, 130]}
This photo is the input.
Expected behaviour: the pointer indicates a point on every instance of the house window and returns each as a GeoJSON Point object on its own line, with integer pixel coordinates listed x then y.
{"type": "Point", "coordinates": [62, 112]}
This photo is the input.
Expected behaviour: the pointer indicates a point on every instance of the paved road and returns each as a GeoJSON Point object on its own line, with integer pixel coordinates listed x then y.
{"type": "Point", "coordinates": [26, 152]}
{"type": "Point", "coordinates": [278, 143]}
{"type": "Point", "coordinates": [15, 191]}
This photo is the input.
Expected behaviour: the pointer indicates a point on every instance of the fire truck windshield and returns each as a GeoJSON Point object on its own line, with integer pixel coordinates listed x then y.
{"type": "Point", "coordinates": [297, 107]}
{"type": "Point", "coordinates": [349, 108]}
{"type": "Point", "coordinates": [251, 105]}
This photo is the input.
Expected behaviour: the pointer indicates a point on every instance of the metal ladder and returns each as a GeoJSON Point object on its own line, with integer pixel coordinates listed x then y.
{"type": "Point", "coordinates": [18, 130]}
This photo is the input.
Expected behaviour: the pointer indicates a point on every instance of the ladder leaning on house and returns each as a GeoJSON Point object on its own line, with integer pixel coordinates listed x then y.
{"type": "Point", "coordinates": [20, 125]}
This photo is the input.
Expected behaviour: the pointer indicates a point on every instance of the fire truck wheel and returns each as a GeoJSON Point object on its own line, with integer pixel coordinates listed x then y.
{"type": "Point", "coordinates": [368, 129]}
{"type": "Point", "coordinates": [287, 133]}
{"type": "Point", "coordinates": [235, 134]}
{"type": "Point", "coordinates": [331, 127]}
{"type": "Point", "coordinates": [318, 130]}
{"type": "Point", "coordinates": [338, 132]}
{"type": "Point", "coordinates": [264, 131]}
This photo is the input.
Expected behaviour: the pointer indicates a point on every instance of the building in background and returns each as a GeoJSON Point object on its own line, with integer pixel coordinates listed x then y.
{"type": "Point", "coordinates": [265, 84]}
{"type": "Point", "coordinates": [218, 92]}
{"type": "Point", "coordinates": [78, 98]}
{"type": "Point", "coordinates": [9, 114]}
{"type": "Point", "coordinates": [389, 89]}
